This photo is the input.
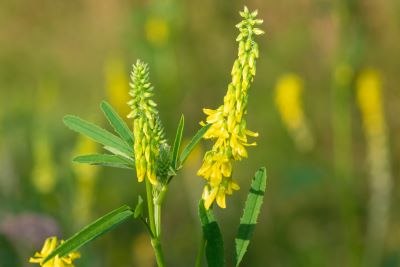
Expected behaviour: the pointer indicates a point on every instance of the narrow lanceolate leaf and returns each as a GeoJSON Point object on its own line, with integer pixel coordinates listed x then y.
{"type": "Point", "coordinates": [139, 208]}
{"type": "Point", "coordinates": [192, 144]}
{"type": "Point", "coordinates": [106, 160]}
{"type": "Point", "coordinates": [177, 142]}
{"type": "Point", "coordinates": [250, 214]}
{"type": "Point", "coordinates": [117, 123]}
{"type": "Point", "coordinates": [213, 237]}
{"type": "Point", "coordinates": [92, 231]}
{"type": "Point", "coordinates": [97, 134]}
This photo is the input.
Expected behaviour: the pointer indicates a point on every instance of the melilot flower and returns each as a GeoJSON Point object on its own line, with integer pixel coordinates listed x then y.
{"type": "Point", "coordinates": [147, 129]}
{"type": "Point", "coordinates": [228, 126]}
{"type": "Point", "coordinates": [49, 245]}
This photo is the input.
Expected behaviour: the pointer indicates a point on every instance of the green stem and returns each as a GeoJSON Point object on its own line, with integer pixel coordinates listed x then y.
{"type": "Point", "coordinates": [157, 210]}
{"type": "Point", "coordinates": [155, 238]}
{"type": "Point", "coordinates": [200, 252]}
{"type": "Point", "coordinates": [150, 206]}
{"type": "Point", "coordinates": [155, 242]}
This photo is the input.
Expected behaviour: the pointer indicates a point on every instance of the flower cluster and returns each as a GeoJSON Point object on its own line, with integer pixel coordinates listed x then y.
{"type": "Point", "coordinates": [147, 129]}
{"type": "Point", "coordinates": [228, 126]}
{"type": "Point", "coordinates": [49, 245]}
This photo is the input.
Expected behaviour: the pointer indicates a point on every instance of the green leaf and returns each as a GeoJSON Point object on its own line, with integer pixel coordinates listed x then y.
{"type": "Point", "coordinates": [213, 237]}
{"type": "Point", "coordinates": [105, 160]}
{"type": "Point", "coordinates": [117, 123]}
{"type": "Point", "coordinates": [138, 208]}
{"type": "Point", "coordinates": [196, 138]}
{"type": "Point", "coordinates": [250, 214]}
{"type": "Point", "coordinates": [92, 231]}
{"type": "Point", "coordinates": [177, 142]}
{"type": "Point", "coordinates": [97, 134]}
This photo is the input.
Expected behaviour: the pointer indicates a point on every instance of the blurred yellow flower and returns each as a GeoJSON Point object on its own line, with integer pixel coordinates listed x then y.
{"type": "Point", "coordinates": [228, 126]}
{"type": "Point", "coordinates": [49, 245]}
{"type": "Point", "coordinates": [157, 31]}
{"type": "Point", "coordinates": [370, 101]}
{"type": "Point", "coordinates": [288, 95]}
{"type": "Point", "coordinates": [44, 172]}
{"type": "Point", "coordinates": [117, 84]}
{"type": "Point", "coordinates": [85, 181]}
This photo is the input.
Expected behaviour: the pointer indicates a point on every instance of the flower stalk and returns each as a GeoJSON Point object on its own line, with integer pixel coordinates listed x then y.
{"type": "Point", "coordinates": [149, 141]}
{"type": "Point", "coordinates": [229, 128]}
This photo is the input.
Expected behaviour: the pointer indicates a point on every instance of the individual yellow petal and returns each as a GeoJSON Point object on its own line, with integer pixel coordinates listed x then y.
{"type": "Point", "coordinates": [209, 111]}
{"type": "Point", "coordinates": [209, 197]}
{"type": "Point", "coordinates": [226, 169]}
{"type": "Point", "coordinates": [251, 133]}
{"type": "Point", "coordinates": [49, 245]}
{"type": "Point", "coordinates": [234, 185]}
{"type": "Point", "coordinates": [35, 260]}
{"type": "Point", "coordinates": [221, 198]}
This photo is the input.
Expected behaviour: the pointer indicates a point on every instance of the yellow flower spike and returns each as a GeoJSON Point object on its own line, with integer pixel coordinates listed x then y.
{"type": "Point", "coordinates": [147, 128]}
{"type": "Point", "coordinates": [371, 104]}
{"type": "Point", "coordinates": [288, 99]}
{"type": "Point", "coordinates": [49, 245]}
{"type": "Point", "coordinates": [228, 124]}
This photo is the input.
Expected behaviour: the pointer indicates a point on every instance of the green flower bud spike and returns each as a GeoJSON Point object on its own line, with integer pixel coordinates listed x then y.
{"type": "Point", "coordinates": [228, 123]}
{"type": "Point", "coordinates": [147, 128]}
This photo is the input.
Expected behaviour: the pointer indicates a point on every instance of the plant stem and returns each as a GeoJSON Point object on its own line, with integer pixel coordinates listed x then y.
{"type": "Point", "coordinates": [150, 206]}
{"type": "Point", "coordinates": [200, 252]}
{"type": "Point", "coordinates": [157, 210]}
{"type": "Point", "coordinates": [155, 238]}
{"type": "Point", "coordinates": [155, 242]}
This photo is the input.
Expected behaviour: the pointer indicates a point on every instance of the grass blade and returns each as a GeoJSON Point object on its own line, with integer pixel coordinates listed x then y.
{"type": "Point", "coordinates": [213, 237]}
{"type": "Point", "coordinates": [250, 214]}
{"type": "Point", "coordinates": [177, 142]}
{"type": "Point", "coordinates": [92, 231]}
{"type": "Point", "coordinates": [97, 134]}
{"type": "Point", "coordinates": [117, 123]}
{"type": "Point", "coordinates": [192, 144]}
{"type": "Point", "coordinates": [105, 160]}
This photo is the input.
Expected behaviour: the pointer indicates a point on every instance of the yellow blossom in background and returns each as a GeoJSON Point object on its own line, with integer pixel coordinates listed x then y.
{"type": "Point", "coordinates": [228, 126]}
{"type": "Point", "coordinates": [147, 129]}
{"type": "Point", "coordinates": [369, 99]}
{"type": "Point", "coordinates": [85, 181]}
{"type": "Point", "coordinates": [117, 84]}
{"type": "Point", "coordinates": [49, 245]}
{"type": "Point", "coordinates": [288, 99]}
{"type": "Point", "coordinates": [157, 31]}
{"type": "Point", "coordinates": [43, 173]}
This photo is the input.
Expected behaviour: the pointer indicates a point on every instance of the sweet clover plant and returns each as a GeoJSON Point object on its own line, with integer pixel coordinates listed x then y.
{"type": "Point", "coordinates": [146, 152]}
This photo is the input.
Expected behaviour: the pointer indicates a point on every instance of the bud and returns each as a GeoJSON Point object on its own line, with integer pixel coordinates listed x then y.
{"type": "Point", "coordinates": [147, 128]}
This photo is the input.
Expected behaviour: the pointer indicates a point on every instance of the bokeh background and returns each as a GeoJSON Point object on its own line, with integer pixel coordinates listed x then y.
{"type": "Point", "coordinates": [326, 102]}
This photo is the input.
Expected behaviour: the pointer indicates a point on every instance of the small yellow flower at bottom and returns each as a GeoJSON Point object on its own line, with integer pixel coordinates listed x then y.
{"type": "Point", "coordinates": [49, 245]}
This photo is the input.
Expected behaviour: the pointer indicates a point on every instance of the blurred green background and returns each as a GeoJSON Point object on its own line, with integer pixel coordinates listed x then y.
{"type": "Point", "coordinates": [64, 57]}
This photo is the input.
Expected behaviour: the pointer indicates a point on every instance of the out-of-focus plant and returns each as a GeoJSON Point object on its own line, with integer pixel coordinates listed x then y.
{"type": "Point", "coordinates": [117, 83]}
{"type": "Point", "coordinates": [288, 99]}
{"type": "Point", "coordinates": [369, 98]}
{"type": "Point", "coordinates": [85, 182]}
{"type": "Point", "coordinates": [43, 173]}
{"type": "Point", "coordinates": [156, 162]}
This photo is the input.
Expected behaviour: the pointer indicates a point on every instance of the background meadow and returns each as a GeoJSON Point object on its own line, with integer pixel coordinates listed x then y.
{"type": "Point", "coordinates": [325, 102]}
